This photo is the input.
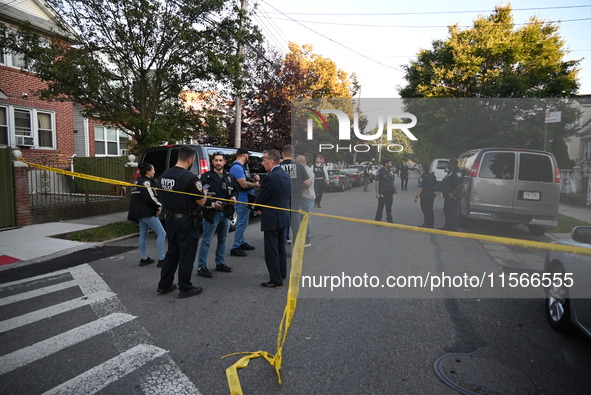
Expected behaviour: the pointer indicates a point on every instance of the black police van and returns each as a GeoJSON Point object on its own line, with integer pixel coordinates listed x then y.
{"type": "Point", "coordinates": [165, 156]}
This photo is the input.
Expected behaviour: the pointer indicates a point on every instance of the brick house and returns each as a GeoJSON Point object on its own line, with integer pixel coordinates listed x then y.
{"type": "Point", "coordinates": [41, 128]}
{"type": "Point", "coordinates": [38, 128]}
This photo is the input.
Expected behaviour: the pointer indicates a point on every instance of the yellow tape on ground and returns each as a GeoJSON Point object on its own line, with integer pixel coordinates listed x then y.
{"type": "Point", "coordinates": [296, 269]}
{"type": "Point", "coordinates": [276, 360]}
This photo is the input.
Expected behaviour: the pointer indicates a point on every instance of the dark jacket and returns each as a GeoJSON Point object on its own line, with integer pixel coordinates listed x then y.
{"type": "Point", "coordinates": [275, 191]}
{"type": "Point", "coordinates": [144, 200]}
{"type": "Point", "coordinates": [222, 187]}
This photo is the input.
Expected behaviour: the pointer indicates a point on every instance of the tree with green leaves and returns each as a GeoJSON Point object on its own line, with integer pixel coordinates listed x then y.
{"type": "Point", "coordinates": [131, 59]}
{"type": "Point", "coordinates": [492, 59]}
{"type": "Point", "coordinates": [277, 81]}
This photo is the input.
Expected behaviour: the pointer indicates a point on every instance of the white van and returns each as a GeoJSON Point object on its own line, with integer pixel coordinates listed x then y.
{"type": "Point", "coordinates": [511, 185]}
{"type": "Point", "coordinates": [439, 168]}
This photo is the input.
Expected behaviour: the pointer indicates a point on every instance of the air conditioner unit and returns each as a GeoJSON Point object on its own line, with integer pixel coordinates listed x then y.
{"type": "Point", "coordinates": [25, 141]}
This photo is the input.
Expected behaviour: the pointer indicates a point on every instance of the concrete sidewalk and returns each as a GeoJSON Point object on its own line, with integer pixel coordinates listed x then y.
{"type": "Point", "coordinates": [32, 244]}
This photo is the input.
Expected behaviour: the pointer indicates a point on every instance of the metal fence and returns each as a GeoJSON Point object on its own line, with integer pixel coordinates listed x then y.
{"type": "Point", "coordinates": [48, 188]}
{"type": "Point", "coordinates": [571, 180]}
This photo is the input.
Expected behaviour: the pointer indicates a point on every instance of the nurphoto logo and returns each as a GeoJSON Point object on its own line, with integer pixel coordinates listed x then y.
{"type": "Point", "coordinates": [344, 125]}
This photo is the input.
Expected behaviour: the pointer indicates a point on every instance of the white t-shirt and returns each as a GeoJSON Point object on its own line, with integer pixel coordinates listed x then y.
{"type": "Point", "coordinates": [309, 193]}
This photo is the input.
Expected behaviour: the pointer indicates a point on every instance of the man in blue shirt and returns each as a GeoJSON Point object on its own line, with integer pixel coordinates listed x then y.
{"type": "Point", "coordinates": [246, 186]}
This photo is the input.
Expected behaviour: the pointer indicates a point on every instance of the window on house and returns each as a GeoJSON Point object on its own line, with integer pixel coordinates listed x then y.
{"type": "Point", "coordinates": [22, 123]}
{"type": "Point", "coordinates": [29, 127]}
{"type": "Point", "coordinates": [587, 150]}
{"type": "Point", "coordinates": [44, 129]}
{"type": "Point", "coordinates": [99, 140]}
{"type": "Point", "coordinates": [109, 141]}
{"type": "Point", "coordinates": [3, 127]}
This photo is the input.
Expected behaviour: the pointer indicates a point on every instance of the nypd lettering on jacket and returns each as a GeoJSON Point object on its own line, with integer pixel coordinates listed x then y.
{"type": "Point", "coordinates": [291, 169]}
{"type": "Point", "coordinates": [167, 183]}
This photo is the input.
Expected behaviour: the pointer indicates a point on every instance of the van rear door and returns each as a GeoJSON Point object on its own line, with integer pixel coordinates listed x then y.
{"type": "Point", "coordinates": [536, 191]}
{"type": "Point", "coordinates": [494, 187]}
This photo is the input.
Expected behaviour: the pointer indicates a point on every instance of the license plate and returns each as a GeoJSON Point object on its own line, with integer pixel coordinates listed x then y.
{"type": "Point", "coordinates": [531, 195]}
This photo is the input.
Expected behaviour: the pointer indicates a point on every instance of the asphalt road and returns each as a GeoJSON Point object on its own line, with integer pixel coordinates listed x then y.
{"type": "Point", "coordinates": [349, 341]}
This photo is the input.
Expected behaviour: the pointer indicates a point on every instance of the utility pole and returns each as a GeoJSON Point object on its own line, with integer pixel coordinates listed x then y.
{"type": "Point", "coordinates": [238, 118]}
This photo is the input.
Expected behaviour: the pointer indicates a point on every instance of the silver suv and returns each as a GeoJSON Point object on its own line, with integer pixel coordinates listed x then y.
{"type": "Point", "coordinates": [511, 185]}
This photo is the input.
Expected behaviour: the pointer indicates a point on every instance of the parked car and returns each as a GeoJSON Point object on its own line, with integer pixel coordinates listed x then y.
{"type": "Point", "coordinates": [516, 186]}
{"type": "Point", "coordinates": [338, 181]}
{"type": "Point", "coordinates": [567, 304]}
{"type": "Point", "coordinates": [355, 175]}
{"type": "Point", "coordinates": [439, 168]}
{"type": "Point", "coordinates": [165, 156]}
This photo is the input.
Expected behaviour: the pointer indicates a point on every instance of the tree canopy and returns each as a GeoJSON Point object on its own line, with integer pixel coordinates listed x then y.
{"type": "Point", "coordinates": [492, 59]}
{"type": "Point", "coordinates": [276, 81]}
{"type": "Point", "coordinates": [132, 59]}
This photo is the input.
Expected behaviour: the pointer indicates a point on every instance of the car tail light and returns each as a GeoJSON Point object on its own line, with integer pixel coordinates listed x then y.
{"type": "Point", "coordinates": [203, 166]}
{"type": "Point", "coordinates": [474, 170]}
{"type": "Point", "coordinates": [557, 175]}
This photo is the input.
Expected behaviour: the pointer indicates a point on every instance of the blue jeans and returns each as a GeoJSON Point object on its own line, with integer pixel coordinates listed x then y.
{"type": "Point", "coordinates": [145, 224]}
{"type": "Point", "coordinates": [307, 206]}
{"type": "Point", "coordinates": [295, 219]}
{"type": "Point", "coordinates": [242, 216]}
{"type": "Point", "coordinates": [221, 226]}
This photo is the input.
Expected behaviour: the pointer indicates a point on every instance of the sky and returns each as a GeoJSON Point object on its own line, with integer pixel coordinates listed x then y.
{"type": "Point", "coordinates": [376, 46]}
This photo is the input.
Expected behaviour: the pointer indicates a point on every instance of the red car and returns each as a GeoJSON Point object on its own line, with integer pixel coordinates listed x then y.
{"type": "Point", "coordinates": [338, 181]}
{"type": "Point", "coordinates": [355, 175]}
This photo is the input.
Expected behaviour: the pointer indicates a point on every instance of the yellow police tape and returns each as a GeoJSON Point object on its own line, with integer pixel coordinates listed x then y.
{"type": "Point", "coordinates": [296, 269]}
{"type": "Point", "coordinates": [292, 299]}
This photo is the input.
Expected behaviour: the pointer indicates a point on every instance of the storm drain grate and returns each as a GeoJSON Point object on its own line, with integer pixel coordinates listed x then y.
{"type": "Point", "coordinates": [471, 375]}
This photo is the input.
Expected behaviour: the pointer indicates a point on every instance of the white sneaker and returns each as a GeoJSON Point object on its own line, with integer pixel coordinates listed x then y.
{"type": "Point", "coordinates": [288, 241]}
{"type": "Point", "coordinates": [308, 245]}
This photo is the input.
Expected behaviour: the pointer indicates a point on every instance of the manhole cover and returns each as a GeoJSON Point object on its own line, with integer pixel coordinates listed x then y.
{"type": "Point", "coordinates": [472, 375]}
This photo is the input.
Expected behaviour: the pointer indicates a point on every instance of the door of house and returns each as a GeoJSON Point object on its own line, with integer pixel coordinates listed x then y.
{"type": "Point", "coordinates": [6, 189]}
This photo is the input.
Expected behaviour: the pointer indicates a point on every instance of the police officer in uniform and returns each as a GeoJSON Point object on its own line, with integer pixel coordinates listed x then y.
{"type": "Point", "coordinates": [452, 186]}
{"type": "Point", "coordinates": [320, 179]}
{"type": "Point", "coordinates": [426, 193]}
{"type": "Point", "coordinates": [385, 190]}
{"type": "Point", "coordinates": [182, 213]}
{"type": "Point", "coordinates": [403, 173]}
{"type": "Point", "coordinates": [217, 183]}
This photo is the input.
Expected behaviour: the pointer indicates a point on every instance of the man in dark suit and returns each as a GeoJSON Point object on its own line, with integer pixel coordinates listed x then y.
{"type": "Point", "coordinates": [275, 191]}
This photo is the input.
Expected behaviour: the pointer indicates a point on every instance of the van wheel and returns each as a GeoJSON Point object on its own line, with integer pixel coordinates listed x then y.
{"type": "Point", "coordinates": [537, 230]}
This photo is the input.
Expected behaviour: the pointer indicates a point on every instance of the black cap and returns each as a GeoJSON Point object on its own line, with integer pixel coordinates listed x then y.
{"type": "Point", "coordinates": [242, 150]}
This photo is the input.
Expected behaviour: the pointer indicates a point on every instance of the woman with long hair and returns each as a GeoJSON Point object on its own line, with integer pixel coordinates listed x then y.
{"type": "Point", "coordinates": [144, 209]}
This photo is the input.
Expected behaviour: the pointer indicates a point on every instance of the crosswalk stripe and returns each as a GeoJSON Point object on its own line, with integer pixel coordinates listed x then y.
{"type": "Point", "coordinates": [64, 273]}
{"type": "Point", "coordinates": [24, 356]}
{"type": "Point", "coordinates": [167, 378]}
{"type": "Point", "coordinates": [97, 378]}
{"type": "Point", "coordinates": [37, 292]}
{"type": "Point", "coordinates": [47, 312]}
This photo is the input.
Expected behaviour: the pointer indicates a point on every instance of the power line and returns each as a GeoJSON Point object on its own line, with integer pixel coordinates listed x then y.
{"type": "Point", "coordinates": [427, 12]}
{"type": "Point", "coordinates": [268, 33]}
{"type": "Point", "coordinates": [334, 41]}
{"type": "Point", "coordinates": [418, 26]}
{"type": "Point", "coordinates": [274, 25]}
{"type": "Point", "coordinates": [273, 31]}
